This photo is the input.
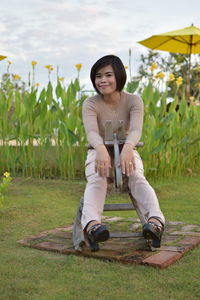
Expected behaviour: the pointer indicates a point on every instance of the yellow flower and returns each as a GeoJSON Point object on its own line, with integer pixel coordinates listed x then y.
{"type": "Point", "coordinates": [34, 63]}
{"type": "Point", "coordinates": [16, 77]}
{"type": "Point", "coordinates": [171, 77]}
{"type": "Point", "coordinates": [197, 69]}
{"type": "Point", "coordinates": [78, 66]}
{"type": "Point", "coordinates": [153, 66]}
{"type": "Point", "coordinates": [37, 84]}
{"type": "Point", "coordinates": [49, 67]}
{"type": "Point", "coordinates": [160, 75]}
{"type": "Point", "coordinates": [198, 84]}
{"type": "Point", "coordinates": [179, 81]}
{"type": "Point", "coordinates": [61, 78]}
{"type": "Point", "coordinates": [126, 67]}
{"type": "Point", "coordinates": [191, 98]}
{"type": "Point", "coordinates": [10, 62]}
{"type": "Point", "coordinates": [6, 174]}
{"type": "Point", "coordinates": [2, 57]}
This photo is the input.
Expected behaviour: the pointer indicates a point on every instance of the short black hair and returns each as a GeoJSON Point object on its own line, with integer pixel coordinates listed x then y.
{"type": "Point", "coordinates": [118, 67]}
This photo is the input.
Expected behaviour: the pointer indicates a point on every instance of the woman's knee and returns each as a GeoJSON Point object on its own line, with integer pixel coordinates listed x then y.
{"type": "Point", "coordinates": [137, 175]}
{"type": "Point", "coordinates": [96, 179]}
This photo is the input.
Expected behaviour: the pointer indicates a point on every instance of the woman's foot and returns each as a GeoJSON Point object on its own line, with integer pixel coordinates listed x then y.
{"type": "Point", "coordinates": [96, 233]}
{"type": "Point", "coordinates": [153, 230]}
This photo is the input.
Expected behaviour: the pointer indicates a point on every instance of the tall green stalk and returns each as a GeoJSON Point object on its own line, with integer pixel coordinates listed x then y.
{"type": "Point", "coordinates": [49, 138]}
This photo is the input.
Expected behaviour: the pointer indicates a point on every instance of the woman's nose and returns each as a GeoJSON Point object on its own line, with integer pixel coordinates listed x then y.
{"type": "Point", "coordinates": [103, 79]}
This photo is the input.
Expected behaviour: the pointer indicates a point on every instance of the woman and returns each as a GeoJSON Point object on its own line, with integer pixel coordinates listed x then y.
{"type": "Point", "coordinates": [108, 77]}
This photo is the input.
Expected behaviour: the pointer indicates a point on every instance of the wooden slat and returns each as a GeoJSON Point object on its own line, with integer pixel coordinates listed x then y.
{"type": "Point", "coordinates": [118, 206]}
{"type": "Point", "coordinates": [125, 234]}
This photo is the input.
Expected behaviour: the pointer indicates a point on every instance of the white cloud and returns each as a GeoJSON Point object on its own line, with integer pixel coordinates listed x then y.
{"type": "Point", "coordinates": [66, 32]}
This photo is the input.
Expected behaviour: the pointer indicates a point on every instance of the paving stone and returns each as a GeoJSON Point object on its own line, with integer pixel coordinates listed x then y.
{"type": "Point", "coordinates": [173, 248]}
{"type": "Point", "coordinates": [135, 257]}
{"type": "Point", "coordinates": [123, 246]}
{"type": "Point", "coordinates": [162, 259]}
{"type": "Point", "coordinates": [24, 242]}
{"type": "Point", "coordinates": [110, 254]}
{"type": "Point", "coordinates": [120, 234]}
{"type": "Point", "coordinates": [135, 226]}
{"type": "Point", "coordinates": [67, 228]}
{"type": "Point", "coordinates": [62, 234]}
{"type": "Point", "coordinates": [105, 217]}
{"type": "Point", "coordinates": [174, 223]}
{"type": "Point", "coordinates": [135, 220]}
{"type": "Point", "coordinates": [51, 246]}
{"type": "Point", "coordinates": [53, 231]}
{"type": "Point", "coordinates": [117, 246]}
{"type": "Point", "coordinates": [191, 228]}
{"type": "Point", "coordinates": [32, 239]}
{"type": "Point", "coordinates": [170, 228]}
{"type": "Point", "coordinates": [114, 219]}
{"type": "Point", "coordinates": [191, 241]}
{"type": "Point", "coordinates": [36, 236]}
{"type": "Point", "coordinates": [192, 233]}
{"type": "Point", "coordinates": [56, 239]}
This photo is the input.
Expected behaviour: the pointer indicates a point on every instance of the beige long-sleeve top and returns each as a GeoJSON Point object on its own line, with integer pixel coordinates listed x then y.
{"type": "Point", "coordinates": [96, 112]}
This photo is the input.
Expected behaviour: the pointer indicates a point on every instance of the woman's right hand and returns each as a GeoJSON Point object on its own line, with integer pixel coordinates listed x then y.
{"type": "Point", "coordinates": [103, 162]}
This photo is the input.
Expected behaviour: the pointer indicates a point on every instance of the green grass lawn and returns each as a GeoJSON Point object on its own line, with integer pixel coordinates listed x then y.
{"type": "Point", "coordinates": [33, 205]}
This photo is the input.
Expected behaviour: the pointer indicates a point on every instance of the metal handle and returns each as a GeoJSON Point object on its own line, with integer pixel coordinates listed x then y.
{"type": "Point", "coordinates": [118, 171]}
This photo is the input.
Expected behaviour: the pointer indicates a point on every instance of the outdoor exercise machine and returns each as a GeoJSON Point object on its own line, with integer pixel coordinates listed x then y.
{"type": "Point", "coordinates": [114, 142]}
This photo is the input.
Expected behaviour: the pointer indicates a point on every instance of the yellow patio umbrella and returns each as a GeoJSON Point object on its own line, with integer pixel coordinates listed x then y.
{"type": "Point", "coordinates": [184, 41]}
{"type": "Point", "coordinates": [2, 57]}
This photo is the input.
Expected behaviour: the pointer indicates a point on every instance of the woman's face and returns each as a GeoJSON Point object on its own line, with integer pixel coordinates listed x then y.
{"type": "Point", "coordinates": [105, 80]}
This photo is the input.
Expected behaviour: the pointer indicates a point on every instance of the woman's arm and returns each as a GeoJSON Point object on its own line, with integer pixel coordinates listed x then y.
{"type": "Point", "coordinates": [103, 162]}
{"type": "Point", "coordinates": [136, 109]}
{"type": "Point", "coordinates": [89, 113]}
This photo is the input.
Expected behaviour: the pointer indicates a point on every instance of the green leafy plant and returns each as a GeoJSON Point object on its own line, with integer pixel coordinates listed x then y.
{"type": "Point", "coordinates": [42, 134]}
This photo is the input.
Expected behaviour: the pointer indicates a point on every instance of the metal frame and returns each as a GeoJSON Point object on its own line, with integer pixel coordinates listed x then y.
{"type": "Point", "coordinates": [115, 139]}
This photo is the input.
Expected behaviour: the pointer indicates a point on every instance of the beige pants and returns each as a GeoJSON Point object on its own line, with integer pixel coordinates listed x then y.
{"type": "Point", "coordinates": [96, 188]}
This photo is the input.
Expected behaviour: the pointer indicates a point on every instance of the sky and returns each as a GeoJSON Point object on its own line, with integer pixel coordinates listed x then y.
{"type": "Point", "coordinates": [67, 32]}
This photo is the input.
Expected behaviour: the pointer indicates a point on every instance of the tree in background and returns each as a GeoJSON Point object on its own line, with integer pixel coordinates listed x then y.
{"type": "Point", "coordinates": [170, 67]}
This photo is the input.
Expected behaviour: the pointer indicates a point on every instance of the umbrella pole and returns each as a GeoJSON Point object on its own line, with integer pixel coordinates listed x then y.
{"type": "Point", "coordinates": [189, 72]}
{"type": "Point", "coordinates": [188, 80]}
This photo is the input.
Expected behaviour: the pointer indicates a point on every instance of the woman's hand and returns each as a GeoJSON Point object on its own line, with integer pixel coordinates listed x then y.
{"type": "Point", "coordinates": [127, 160]}
{"type": "Point", "coordinates": [103, 162]}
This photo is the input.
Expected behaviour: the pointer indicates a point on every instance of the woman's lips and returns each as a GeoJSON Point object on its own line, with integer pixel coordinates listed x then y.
{"type": "Point", "coordinates": [103, 86]}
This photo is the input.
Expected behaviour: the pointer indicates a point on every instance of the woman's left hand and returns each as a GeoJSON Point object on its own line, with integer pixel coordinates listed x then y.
{"type": "Point", "coordinates": [127, 160]}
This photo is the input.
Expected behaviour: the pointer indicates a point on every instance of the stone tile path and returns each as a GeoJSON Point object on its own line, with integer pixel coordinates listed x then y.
{"type": "Point", "coordinates": [126, 244]}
